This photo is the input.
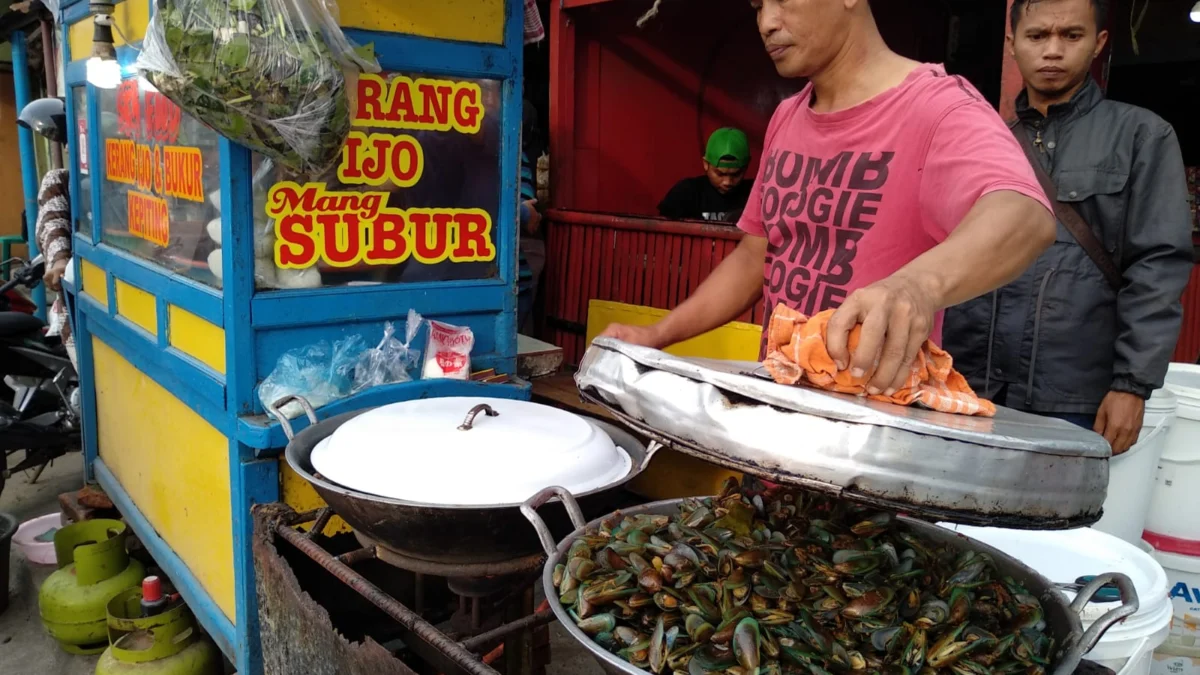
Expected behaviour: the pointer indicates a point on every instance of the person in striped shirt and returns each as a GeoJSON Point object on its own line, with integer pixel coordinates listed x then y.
{"type": "Point", "coordinates": [532, 250]}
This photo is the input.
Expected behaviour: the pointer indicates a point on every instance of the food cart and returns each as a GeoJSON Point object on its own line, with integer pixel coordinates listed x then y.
{"type": "Point", "coordinates": [186, 298]}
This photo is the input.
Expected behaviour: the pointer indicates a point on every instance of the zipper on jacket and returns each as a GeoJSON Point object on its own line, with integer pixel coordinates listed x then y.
{"type": "Point", "coordinates": [1037, 329]}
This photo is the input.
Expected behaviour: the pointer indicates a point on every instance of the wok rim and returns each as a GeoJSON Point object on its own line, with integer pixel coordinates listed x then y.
{"type": "Point", "coordinates": [295, 455]}
{"type": "Point", "coordinates": [611, 663]}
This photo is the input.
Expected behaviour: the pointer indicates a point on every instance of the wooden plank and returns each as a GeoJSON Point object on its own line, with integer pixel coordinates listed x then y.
{"type": "Point", "coordinates": [673, 283]}
{"type": "Point", "coordinates": [536, 358]}
{"type": "Point", "coordinates": [625, 242]}
{"type": "Point", "coordinates": [606, 291]}
{"type": "Point", "coordinates": [576, 255]}
{"type": "Point", "coordinates": [662, 269]}
{"type": "Point", "coordinates": [696, 271]}
{"type": "Point", "coordinates": [595, 262]}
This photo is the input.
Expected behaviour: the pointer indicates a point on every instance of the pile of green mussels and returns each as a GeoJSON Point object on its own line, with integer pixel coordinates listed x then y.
{"type": "Point", "coordinates": [775, 582]}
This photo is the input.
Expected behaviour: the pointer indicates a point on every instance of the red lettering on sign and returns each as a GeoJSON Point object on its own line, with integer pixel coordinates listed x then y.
{"type": "Point", "coordinates": [388, 244]}
{"type": "Point", "coordinates": [295, 246]}
{"type": "Point", "coordinates": [431, 235]}
{"type": "Point", "coordinates": [474, 241]}
{"type": "Point", "coordinates": [343, 243]}
{"type": "Point", "coordinates": [129, 116]}
{"type": "Point", "coordinates": [437, 101]}
{"type": "Point", "coordinates": [467, 110]}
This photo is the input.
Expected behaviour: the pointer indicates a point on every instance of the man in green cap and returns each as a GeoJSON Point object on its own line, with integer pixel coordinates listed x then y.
{"type": "Point", "coordinates": [721, 193]}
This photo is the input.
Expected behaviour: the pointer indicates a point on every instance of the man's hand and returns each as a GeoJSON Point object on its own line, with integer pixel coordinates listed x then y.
{"type": "Point", "coordinates": [54, 274]}
{"type": "Point", "coordinates": [1120, 420]}
{"type": "Point", "coordinates": [645, 336]}
{"type": "Point", "coordinates": [897, 316]}
{"type": "Point", "coordinates": [535, 219]}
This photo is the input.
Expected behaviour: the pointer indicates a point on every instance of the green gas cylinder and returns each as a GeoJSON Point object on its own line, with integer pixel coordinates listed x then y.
{"type": "Point", "coordinates": [93, 567]}
{"type": "Point", "coordinates": [164, 644]}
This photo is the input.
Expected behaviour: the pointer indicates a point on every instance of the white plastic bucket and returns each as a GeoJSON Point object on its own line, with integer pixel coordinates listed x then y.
{"type": "Point", "coordinates": [1161, 408]}
{"type": "Point", "coordinates": [1131, 474]}
{"type": "Point", "coordinates": [1183, 580]}
{"type": "Point", "coordinates": [1063, 557]}
{"type": "Point", "coordinates": [1173, 505]}
{"type": "Point", "coordinates": [1168, 662]}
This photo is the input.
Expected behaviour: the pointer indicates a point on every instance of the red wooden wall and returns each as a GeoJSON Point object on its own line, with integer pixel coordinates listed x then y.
{"type": "Point", "coordinates": [1187, 349]}
{"type": "Point", "coordinates": [632, 108]}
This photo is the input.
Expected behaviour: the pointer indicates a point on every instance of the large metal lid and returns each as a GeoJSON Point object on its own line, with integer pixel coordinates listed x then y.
{"type": "Point", "coordinates": [469, 451]}
{"type": "Point", "coordinates": [1013, 470]}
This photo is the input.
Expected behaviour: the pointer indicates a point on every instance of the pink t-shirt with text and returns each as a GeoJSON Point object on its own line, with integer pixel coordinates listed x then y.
{"type": "Point", "coordinates": [849, 197]}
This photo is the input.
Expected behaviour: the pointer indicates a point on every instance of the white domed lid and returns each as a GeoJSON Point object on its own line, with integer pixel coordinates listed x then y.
{"type": "Point", "coordinates": [429, 451]}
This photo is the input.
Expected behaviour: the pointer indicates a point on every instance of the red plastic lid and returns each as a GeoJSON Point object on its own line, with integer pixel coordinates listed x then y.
{"type": "Point", "coordinates": [1162, 542]}
{"type": "Point", "coordinates": [151, 589]}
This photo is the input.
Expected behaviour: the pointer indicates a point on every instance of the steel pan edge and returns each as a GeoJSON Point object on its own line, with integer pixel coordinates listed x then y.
{"type": "Point", "coordinates": [1061, 623]}
{"type": "Point", "coordinates": [448, 533]}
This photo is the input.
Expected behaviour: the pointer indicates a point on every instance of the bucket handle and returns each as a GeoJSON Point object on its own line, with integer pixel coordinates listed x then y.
{"type": "Point", "coordinates": [276, 411]}
{"type": "Point", "coordinates": [1129, 607]}
{"type": "Point", "coordinates": [1158, 429]}
{"type": "Point", "coordinates": [531, 505]}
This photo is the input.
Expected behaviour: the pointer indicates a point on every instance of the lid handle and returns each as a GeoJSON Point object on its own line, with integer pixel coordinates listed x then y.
{"type": "Point", "coordinates": [469, 422]}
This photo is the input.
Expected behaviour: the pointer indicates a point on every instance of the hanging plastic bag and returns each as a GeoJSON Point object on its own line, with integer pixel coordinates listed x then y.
{"type": "Point", "coordinates": [264, 73]}
{"type": "Point", "coordinates": [448, 354]}
{"type": "Point", "coordinates": [390, 361]}
{"type": "Point", "coordinates": [318, 372]}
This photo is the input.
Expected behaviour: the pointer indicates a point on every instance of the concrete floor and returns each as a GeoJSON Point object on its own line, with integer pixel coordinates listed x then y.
{"type": "Point", "coordinates": [25, 649]}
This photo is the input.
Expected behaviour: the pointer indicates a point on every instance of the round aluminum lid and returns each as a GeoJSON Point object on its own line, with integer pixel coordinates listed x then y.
{"type": "Point", "coordinates": [418, 451]}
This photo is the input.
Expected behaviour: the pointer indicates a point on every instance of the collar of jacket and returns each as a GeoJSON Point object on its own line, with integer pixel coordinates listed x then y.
{"type": "Point", "coordinates": [1088, 96]}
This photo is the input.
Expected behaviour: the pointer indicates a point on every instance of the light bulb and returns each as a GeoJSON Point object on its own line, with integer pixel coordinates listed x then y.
{"type": "Point", "coordinates": [1195, 15]}
{"type": "Point", "coordinates": [103, 73]}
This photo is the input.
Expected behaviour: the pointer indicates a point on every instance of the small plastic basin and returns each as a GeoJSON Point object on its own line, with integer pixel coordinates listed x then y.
{"type": "Point", "coordinates": [30, 539]}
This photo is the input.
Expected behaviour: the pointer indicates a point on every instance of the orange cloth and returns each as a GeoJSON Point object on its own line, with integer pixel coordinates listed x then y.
{"type": "Point", "coordinates": [796, 353]}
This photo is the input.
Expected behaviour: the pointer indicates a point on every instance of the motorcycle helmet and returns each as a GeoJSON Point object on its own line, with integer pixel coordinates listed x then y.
{"type": "Point", "coordinates": [46, 116]}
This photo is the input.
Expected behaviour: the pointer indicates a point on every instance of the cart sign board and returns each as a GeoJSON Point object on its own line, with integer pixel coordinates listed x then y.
{"type": "Point", "coordinates": [411, 186]}
{"type": "Point", "coordinates": [148, 159]}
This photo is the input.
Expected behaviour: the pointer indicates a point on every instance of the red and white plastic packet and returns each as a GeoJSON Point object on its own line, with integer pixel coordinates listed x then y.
{"type": "Point", "coordinates": [448, 355]}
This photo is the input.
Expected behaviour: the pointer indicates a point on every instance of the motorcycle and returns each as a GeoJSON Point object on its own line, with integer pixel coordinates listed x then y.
{"type": "Point", "coordinates": [39, 388]}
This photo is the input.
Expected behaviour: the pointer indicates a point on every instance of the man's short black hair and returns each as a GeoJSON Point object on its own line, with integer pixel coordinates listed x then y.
{"type": "Point", "coordinates": [1100, 6]}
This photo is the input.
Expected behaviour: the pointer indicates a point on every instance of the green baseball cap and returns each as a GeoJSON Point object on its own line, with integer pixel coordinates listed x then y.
{"type": "Point", "coordinates": [728, 148]}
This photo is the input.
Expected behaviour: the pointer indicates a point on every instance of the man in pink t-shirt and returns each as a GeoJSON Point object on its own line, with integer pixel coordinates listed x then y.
{"type": "Point", "coordinates": [888, 189]}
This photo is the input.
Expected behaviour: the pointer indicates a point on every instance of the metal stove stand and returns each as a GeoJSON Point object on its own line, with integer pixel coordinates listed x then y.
{"type": "Point", "coordinates": [484, 591]}
{"type": "Point", "coordinates": [481, 589]}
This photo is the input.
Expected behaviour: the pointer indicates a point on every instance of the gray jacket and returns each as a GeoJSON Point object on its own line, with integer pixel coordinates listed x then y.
{"type": "Point", "coordinates": [1059, 337]}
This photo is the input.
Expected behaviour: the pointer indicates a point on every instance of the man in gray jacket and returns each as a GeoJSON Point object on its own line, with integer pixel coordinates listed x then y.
{"type": "Point", "coordinates": [1062, 340]}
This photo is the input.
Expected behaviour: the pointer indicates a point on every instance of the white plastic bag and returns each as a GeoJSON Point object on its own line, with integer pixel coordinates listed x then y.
{"type": "Point", "coordinates": [264, 73]}
{"type": "Point", "coordinates": [448, 354]}
{"type": "Point", "coordinates": [319, 373]}
{"type": "Point", "coordinates": [390, 361]}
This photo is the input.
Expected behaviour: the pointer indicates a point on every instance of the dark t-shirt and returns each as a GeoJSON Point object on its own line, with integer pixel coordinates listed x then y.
{"type": "Point", "coordinates": [696, 199]}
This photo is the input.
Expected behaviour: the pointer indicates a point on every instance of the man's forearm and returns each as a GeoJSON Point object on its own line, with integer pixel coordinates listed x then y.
{"type": "Point", "coordinates": [1000, 237]}
{"type": "Point", "coordinates": [731, 289]}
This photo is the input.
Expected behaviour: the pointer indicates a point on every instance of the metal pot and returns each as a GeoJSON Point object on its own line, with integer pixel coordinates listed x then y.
{"type": "Point", "coordinates": [443, 533]}
{"type": "Point", "coordinates": [1063, 621]}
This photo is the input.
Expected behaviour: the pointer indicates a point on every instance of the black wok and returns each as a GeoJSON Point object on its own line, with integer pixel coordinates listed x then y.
{"type": "Point", "coordinates": [444, 533]}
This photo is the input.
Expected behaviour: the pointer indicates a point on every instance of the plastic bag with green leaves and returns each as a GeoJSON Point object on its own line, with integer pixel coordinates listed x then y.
{"type": "Point", "coordinates": [269, 74]}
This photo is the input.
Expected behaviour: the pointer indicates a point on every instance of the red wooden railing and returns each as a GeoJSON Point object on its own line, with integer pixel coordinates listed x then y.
{"type": "Point", "coordinates": [637, 261]}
